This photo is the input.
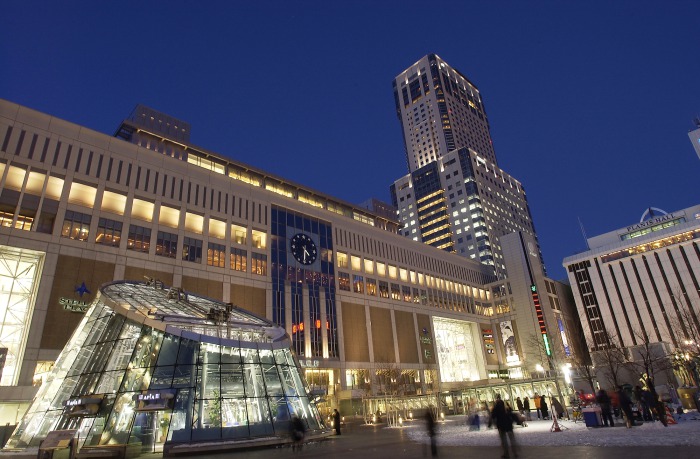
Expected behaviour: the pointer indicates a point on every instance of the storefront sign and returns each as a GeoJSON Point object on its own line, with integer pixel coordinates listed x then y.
{"type": "Point", "coordinates": [309, 363]}
{"type": "Point", "coordinates": [74, 305]}
{"type": "Point", "coordinates": [87, 405]}
{"type": "Point", "coordinates": [154, 400]}
{"type": "Point", "coordinates": [651, 222]}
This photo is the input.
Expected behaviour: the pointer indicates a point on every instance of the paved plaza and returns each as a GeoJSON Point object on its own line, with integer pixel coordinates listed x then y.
{"type": "Point", "coordinates": [362, 441]}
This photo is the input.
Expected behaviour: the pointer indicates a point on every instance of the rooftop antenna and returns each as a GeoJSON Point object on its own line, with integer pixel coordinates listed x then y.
{"type": "Point", "coordinates": [583, 232]}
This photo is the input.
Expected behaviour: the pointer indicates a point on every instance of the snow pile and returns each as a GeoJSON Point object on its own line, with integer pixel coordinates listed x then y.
{"type": "Point", "coordinates": [537, 433]}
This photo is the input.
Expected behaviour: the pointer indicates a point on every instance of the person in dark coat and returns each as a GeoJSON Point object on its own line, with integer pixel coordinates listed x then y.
{"type": "Point", "coordinates": [526, 408]}
{"type": "Point", "coordinates": [336, 421]}
{"type": "Point", "coordinates": [543, 407]}
{"type": "Point", "coordinates": [502, 417]}
{"type": "Point", "coordinates": [603, 400]}
{"type": "Point", "coordinates": [432, 433]}
{"type": "Point", "coordinates": [519, 404]}
{"type": "Point", "coordinates": [298, 431]}
{"type": "Point", "coordinates": [625, 406]}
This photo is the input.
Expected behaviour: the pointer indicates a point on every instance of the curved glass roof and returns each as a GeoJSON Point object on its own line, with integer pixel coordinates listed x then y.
{"type": "Point", "coordinates": [172, 307]}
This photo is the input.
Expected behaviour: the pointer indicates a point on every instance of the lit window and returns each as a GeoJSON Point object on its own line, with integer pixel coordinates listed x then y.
{"type": "Point", "coordinates": [166, 244]}
{"type": "Point", "coordinates": [139, 239]}
{"type": "Point", "coordinates": [216, 255]}
{"type": "Point", "coordinates": [259, 239]}
{"type": "Point", "coordinates": [239, 259]}
{"type": "Point", "coordinates": [143, 210]}
{"type": "Point", "coordinates": [113, 202]}
{"type": "Point", "coordinates": [238, 234]}
{"type": "Point", "coordinates": [83, 195]}
{"type": "Point", "coordinates": [342, 259]}
{"type": "Point", "coordinates": [217, 228]}
{"type": "Point", "coordinates": [169, 216]}
{"type": "Point", "coordinates": [355, 263]}
{"type": "Point", "coordinates": [192, 250]}
{"type": "Point", "coordinates": [193, 222]}
{"type": "Point", "coordinates": [76, 225]}
{"type": "Point", "coordinates": [109, 232]}
{"type": "Point", "coordinates": [258, 263]}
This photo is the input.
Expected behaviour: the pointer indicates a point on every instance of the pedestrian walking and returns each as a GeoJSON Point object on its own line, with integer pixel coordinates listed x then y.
{"type": "Point", "coordinates": [625, 406]}
{"type": "Point", "coordinates": [503, 419]}
{"type": "Point", "coordinates": [526, 407]}
{"type": "Point", "coordinates": [605, 404]}
{"type": "Point", "coordinates": [519, 404]}
{"type": "Point", "coordinates": [432, 431]}
{"type": "Point", "coordinates": [298, 431]}
{"type": "Point", "coordinates": [557, 408]}
{"type": "Point", "coordinates": [543, 407]}
{"type": "Point", "coordinates": [336, 421]}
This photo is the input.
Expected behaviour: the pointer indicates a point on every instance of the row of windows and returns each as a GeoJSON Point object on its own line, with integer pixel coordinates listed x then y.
{"type": "Point", "coordinates": [369, 266]}
{"type": "Point", "coordinates": [76, 225]}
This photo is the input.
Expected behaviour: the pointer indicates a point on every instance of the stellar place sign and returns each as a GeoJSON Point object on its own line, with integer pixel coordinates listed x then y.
{"type": "Point", "coordinates": [73, 305]}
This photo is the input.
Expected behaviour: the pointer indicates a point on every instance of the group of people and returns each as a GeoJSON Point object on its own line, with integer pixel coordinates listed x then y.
{"type": "Point", "coordinates": [541, 407]}
{"type": "Point", "coordinates": [648, 403]}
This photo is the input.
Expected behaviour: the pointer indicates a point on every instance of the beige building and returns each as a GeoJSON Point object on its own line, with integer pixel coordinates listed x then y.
{"type": "Point", "coordinates": [367, 310]}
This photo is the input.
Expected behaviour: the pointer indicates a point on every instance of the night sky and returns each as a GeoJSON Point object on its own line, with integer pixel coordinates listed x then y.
{"type": "Point", "coordinates": [589, 102]}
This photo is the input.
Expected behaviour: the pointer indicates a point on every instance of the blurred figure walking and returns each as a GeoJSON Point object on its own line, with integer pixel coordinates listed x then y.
{"type": "Point", "coordinates": [432, 431]}
{"type": "Point", "coordinates": [503, 418]}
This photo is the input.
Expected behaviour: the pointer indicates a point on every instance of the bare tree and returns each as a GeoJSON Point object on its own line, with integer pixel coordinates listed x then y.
{"type": "Point", "coordinates": [649, 359]}
{"type": "Point", "coordinates": [580, 359]}
{"type": "Point", "coordinates": [610, 359]}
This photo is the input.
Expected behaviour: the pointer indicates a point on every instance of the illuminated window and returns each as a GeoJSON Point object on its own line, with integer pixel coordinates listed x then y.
{"type": "Point", "coordinates": [166, 244]}
{"type": "Point", "coordinates": [383, 289]}
{"type": "Point", "coordinates": [342, 259]}
{"type": "Point", "coordinates": [258, 263]}
{"type": "Point", "coordinates": [192, 250]}
{"type": "Point", "coordinates": [392, 272]}
{"type": "Point", "coordinates": [143, 210]}
{"type": "Point", "coordinates": [239, 234]}
{"type": "Point", "coordinates": [239, 258]}
{"type": "Point", "coordinates": [109, 232]}
{"type": "Point", "coordinates": [344, 281]}
{"type": "Point", "coordinates": [403, 273]}
{"type": "Point", "coordinates": [371, 287]}
{"type": "Point", "coordinates": [113, 202]}
{"type": "Point", "coordinates": [259, 239]}
{"type": "Point", "coordinates": [358, 284]}
{"type": "Point", "coordinates": [83, 195]}
{"type": "Point", "coordinates": [381, 269]}
{"type": "Point", "coordinates": [395, 292]}
{"type": "Point", "coordinates": [35, 183]}
{"type": "Point", "coordinates": [217, 228]}
{"type": "Point", "coordinates": [369, 266]}
{"type": "Point", "coordinates": [20, 271]}
{"type": "Point", "coordinates": [15, 178]}
{"type": "Point", "coordinates": [355, 263]}
{"type": "Point", "coordinates": [193, 222]}
{"type": "Point", "coordinates": [169, 216]}
{"type": "Point", "coordinates": [139, 238]}
{"type": "Point", "coordinates": [76, 225]}
{"type": "Point", "coordinates": [216, 255]}
{"type": "Point", "coordinates": [54, 188]}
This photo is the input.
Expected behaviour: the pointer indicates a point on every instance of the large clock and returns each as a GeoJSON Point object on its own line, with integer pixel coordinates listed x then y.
{"type": "Point", "coordinates": [303, 249]}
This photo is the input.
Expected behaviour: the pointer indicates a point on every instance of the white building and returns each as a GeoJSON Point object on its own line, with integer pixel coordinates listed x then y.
{"type": "Point", "coordinates": [635, 284]}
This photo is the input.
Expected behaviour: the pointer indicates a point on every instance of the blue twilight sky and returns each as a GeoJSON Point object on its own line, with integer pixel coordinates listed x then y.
{"type": "Point", "coordinates": [589, 102]}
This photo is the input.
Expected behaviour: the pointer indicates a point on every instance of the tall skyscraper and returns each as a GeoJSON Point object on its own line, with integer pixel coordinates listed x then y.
{"type": "Point", "coordinates": [440, 110]}
{"type": "Point", "coordinates": [455, 196]}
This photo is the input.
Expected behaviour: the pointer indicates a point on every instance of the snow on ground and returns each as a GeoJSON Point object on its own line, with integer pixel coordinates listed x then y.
{"type": "Point", "coordinates": [455, 432]}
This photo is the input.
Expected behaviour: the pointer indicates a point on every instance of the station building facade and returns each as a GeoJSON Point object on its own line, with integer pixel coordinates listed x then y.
{"type": "Point", "coordinates": [368, 311]}
{"type": "Point", "coordinates": [637, 287]}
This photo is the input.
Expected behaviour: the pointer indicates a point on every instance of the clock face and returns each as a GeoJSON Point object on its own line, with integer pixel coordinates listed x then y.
{"type": "Point", "coordinates": [303, 249]}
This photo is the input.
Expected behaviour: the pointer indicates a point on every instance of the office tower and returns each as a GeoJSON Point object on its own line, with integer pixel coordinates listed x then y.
{"type": "Point", "coordinates": [455, 196]}
{"type": "Point", "coordinates": [636, 287]}
{"type": "Point", "coordinates": [440, 110]}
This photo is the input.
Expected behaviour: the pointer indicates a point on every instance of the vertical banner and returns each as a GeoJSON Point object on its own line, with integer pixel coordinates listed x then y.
{"type": "Point", "coordinates": [509, 344]}
{"type": "Point", "coordinates": [564, 339]}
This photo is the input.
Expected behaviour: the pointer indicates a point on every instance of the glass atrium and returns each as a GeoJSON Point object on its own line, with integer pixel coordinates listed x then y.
{"type": "Point", "coordinates": [150, 366]}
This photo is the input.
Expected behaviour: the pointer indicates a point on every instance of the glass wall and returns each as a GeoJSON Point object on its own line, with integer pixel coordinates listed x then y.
{"type": "Point", "coordinates": [120, 381]}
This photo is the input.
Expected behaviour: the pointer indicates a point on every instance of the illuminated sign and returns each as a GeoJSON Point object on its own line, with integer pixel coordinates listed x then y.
{"type": "Point", "coordinates": [651, 222]}
{"type": "Point", "coordinates": [309, 363]}
{"type": "Point", "coordinates": [74, 305]}
{"type": "Point", "coordinates": [154, 400]}
{"type": "Point", "coordinates": [540, 318]}
{"type": "Point", "coordinates": [87, 405]}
